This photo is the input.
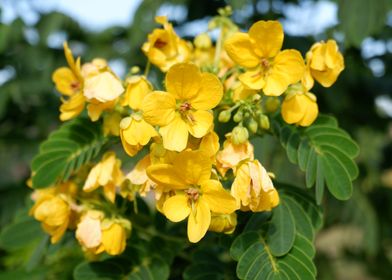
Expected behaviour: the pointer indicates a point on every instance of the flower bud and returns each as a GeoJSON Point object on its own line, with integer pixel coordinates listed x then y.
{"type": "Point", "coordinates": [239, 135]}
{"type": "Point", "coordinates": [238, 116]}
{"type": "Point", "coordinates": [271, 104]}
{"type": "Point", "coordinates": [224, 116]}
{"type": "Point", "coordinates": [264, 122]}
{"type": "Point", "coordinates": [252, 125]}
{"type": "Point", "coordinates": [203, 41]}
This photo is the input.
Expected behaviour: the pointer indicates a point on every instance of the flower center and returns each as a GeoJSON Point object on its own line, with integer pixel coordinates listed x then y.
{"type": "Point", "coordinates": [193, 194]}
{"type": "Point", "coordinates": [160, 44]}
{"type": "Point", "coordinates": [265, 64]}
{"type": "Point", "coordinates": [186, 106]}
{"type": "Point", "coordinates": [75, 85]}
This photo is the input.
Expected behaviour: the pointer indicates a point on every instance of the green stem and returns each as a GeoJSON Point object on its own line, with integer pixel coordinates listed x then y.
{"type": "Point", "coordinates": [218, 49]}
{"type": "Point", "coordinates": [147, 70]}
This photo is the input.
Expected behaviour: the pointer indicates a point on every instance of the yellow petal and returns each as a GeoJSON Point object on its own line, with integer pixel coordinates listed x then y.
{"type": "Point", "coordinates": [267, 37]}
{"type": "Point", "coordinates": [158, 108]}
{"type": "Point", "coordinates": [176, 208]}
{"type": "Point", "coordinates": [288, 68]}
{"type": "Point", "coordinates": [240, 49]}
{"type": "Point", "coordinates": [103, 87]}
{"type": "Point", "coordinates": [88, 232]}
{"type": "Point", "coordinates": [114, 239]}
{"type": "Point", "coordinates": [199, 220]}
{"type": "Point", "coordinates": [65, 80]}
{"type": "Point", "coordinates": [166, 175]}
{"type": "Point", "coordinates": [218, 199]}
{"type": "Point", "coordinates": [92, 179]}
{"type": "Point", "coordinates": [209, 94]}
{"type": "Point", "coordinates": [72, 107]}
{"type": "Point", "coordinates": [253, 79]}
{"type": "Point", "coordinates": [210, 144]}
{"type": "Point", "coordinates": [107, 167]}
{"type": "Point", "coordinates": [194, 167]}
{"type": "Point", "coordinates": [53, 212]}
{"type": "Point", "coordinates": [240, 188]}
{"type": "Point", "coordinates": [293, 109]}
{"type": "Point", "coordinates": [201, 124]}
{"type": "Point", "coordinates": [139, 132]}
{"type": "Point", "coordinates": [175, 134]}
{"type": "Point", "coordinates": [138, 87]}
{"type": "Point", "coordinates": [109, 191]}
{"type": "Point", "coordinates": [183, 80]}
{"type": "Point", "coordinates": [311, 113]}
{"type": "Point", "coordinates": [138, 175]}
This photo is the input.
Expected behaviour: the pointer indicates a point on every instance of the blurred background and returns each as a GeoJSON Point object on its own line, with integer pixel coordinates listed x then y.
{"type": "Point", "coordinates": [356, 242]}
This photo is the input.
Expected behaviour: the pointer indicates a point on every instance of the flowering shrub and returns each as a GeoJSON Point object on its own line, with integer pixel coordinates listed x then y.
{"type": "Point", "coordinates": [192, 136]}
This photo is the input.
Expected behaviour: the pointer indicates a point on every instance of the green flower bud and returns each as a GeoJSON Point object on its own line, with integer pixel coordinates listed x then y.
{"type": "Point", "coordinates": [224, 116]}
{"type": "Point", "coordinates": [239, 135]}
{"type": "Point", "coordinates": [238, 116]}
{"type": "Point", "coordinates": [252, 125]}
{"type": "Point", "coordinates": [264, 122]}
{"type": "Point", "coordinates": [271, 104]}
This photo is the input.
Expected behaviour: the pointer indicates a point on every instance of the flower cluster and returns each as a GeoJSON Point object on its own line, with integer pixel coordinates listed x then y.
{"type": "Point", "coordinates": [193, 167]}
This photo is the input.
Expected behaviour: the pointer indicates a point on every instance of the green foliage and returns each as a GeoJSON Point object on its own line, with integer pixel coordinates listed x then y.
{"type": "Point", "coordinates": [66, 151]}
{"type": "Point", "coordinates": [325, 152]}
{"type": "Point", "coordinates": [361, 18]}
{"type": "Point", "coordinates": [282, 248]}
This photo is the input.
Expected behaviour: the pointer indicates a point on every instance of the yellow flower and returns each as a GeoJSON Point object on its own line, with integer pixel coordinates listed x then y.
{"type": "Point", "coordinates": [114, 236]}
{"type": "Point", "coordinates": [53, 211]}
{"type": "Point", "coordinates": [196, 195]}
{"type": "Point", "coordinates": [164, 48]}
{"type": "Point", "coordinates": [96, 108]}
{"type": "Point", "coordinates": [267, 67]}
{"type": "Point", "coordinates": [324, 64]}
{"type": "Point", "coordinates": [253, 188]}
{"type": "Point", "coordinates": [232, 155]}
{"type": "Point", "coordinates": [225, 223]}
{"type": "Point", "coordinates": [69, 82]}
{"type": "Point", "coordinates": [138, 176]}
{"type": "Point", "coordinates": [88, 231]}
{"type": "Point", "coordinates": [135, 133]}
{"type": "Point", "coordinates": [299, 106]}
{"type": "Point", "coordinates": [137, 88]}
{"type": "Point", "coordinates": [183, 109]}
{"type": "Point", "coordinates": [97, 234]}
{"type": "Point", "coordinates": [106, 173]}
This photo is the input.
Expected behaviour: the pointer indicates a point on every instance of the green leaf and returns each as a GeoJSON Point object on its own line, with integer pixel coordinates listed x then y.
{"type": "Point", "coordinates": [303, 224]}
{"type": "Point", "coordinates": [281, 231]}
{"type": "Point", "coordinates": [361, 18]}
{"type": "Point", "coordinates": [313, 211]}
{"type": "Point", "coordinates": [65, 151]}
{"type": "Point", "coordinates": [20, 234]}
{"type": "Point", "coordinates": [325, 152]}
{"type": "Point", "coordinates": [98, 270]}
{"type": "Point", "coordinates": [256, 260]}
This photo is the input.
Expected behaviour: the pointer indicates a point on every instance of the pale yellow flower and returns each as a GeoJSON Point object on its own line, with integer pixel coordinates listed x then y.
{"type": "Point", "coordinates": [232, 155]}
{"type": "Point", "coordinates": [253, 188]}
{"type": "Point", "coordinates": [106, 173]}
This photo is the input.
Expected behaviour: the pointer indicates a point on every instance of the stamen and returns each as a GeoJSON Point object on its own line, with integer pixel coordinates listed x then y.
{"type": "Point", "coordinates": [160, 44]}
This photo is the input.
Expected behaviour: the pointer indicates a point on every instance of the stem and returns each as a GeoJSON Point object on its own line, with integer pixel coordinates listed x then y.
{"type": "Point", "coordinates": [218, 49]}
{"type": "Point", "coordinates": [147, 70]}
